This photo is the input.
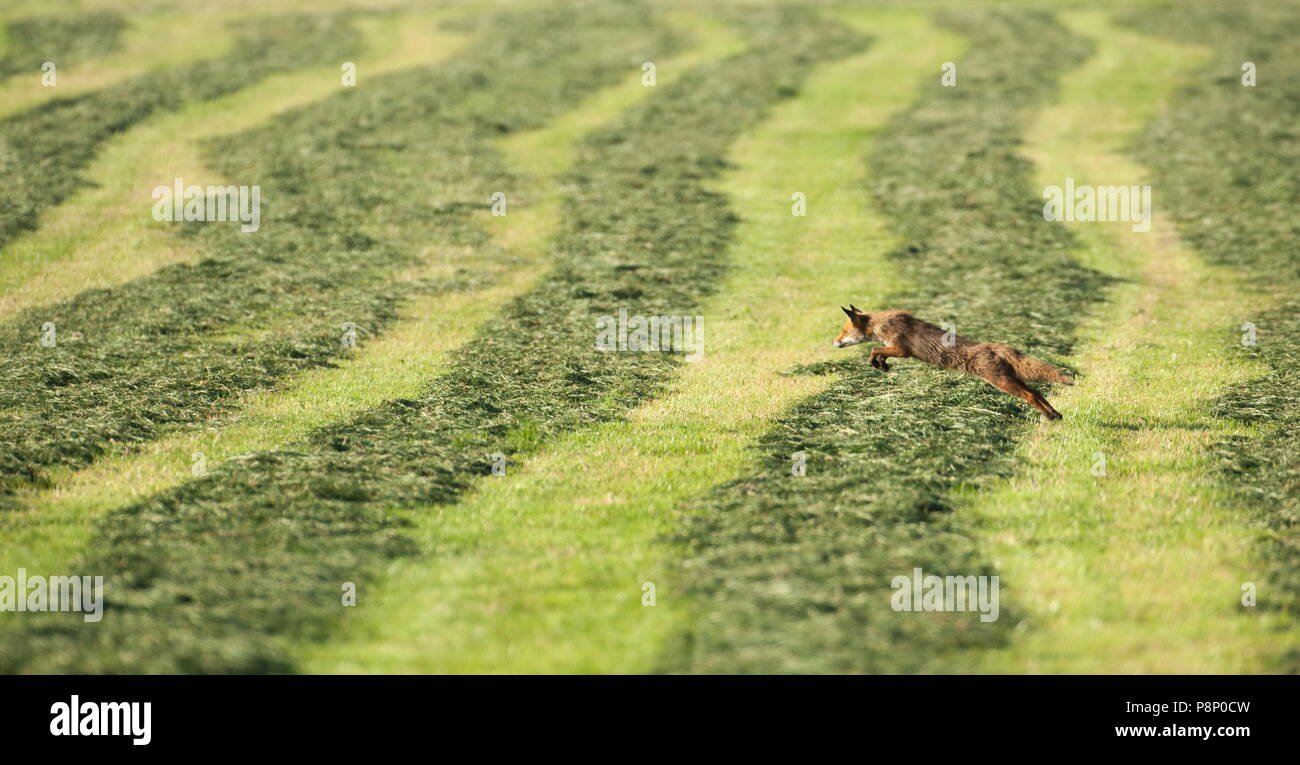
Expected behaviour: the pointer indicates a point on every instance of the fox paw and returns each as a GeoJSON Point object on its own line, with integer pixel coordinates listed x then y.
{"type": "Point", "coordinates": [879, 363]}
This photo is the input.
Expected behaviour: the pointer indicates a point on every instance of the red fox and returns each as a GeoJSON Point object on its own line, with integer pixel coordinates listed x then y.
{"type": "Point", "coordinates": [904, 336]}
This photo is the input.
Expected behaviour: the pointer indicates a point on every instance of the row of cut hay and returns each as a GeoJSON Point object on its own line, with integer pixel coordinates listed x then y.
{"type": "Point", "coordinates": [1117, 513]}
{"type": "Point", "coordinates": [76, 39]}
{"type": "Point", "coordinates": [215, 574]}
{"type": "Point", "coordinates": [355, 190]}
{"type": "Point", "coordinates": [42, 150]}
{"type": "Point", "coordinates": [1227, 156]}
{"type": "Point", "coordinates": [793, 573]}
{"type": "Point", "coordinates": [545, 569]}
{"type": "Point", "coordinates": [220, 572]}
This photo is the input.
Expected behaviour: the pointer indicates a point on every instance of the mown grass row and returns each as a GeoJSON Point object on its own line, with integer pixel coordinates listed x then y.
{"type": "Point", "coordinates": [43, 149]}
{"type": "Point", "coordinates": [542, 569]}
{"type": "Point", "coordinates": [151, 41]}
{"type": "Point", "coordinates": [1226, 157]}
{"type": "Point", "coordinates": [262, 547]}
{"type": "Point", "coordinates": [97, 238]}
{"type": "Point", "coordinates": [792, 573]}
{"type": "Point", "coordinates": [354, 190]}
{"type": "Point", "coordinates": [1118, 519]}
{"type": "Point", "coordinates": [53, 524]}
{"type": "Point", "coordinates": [66, 40]}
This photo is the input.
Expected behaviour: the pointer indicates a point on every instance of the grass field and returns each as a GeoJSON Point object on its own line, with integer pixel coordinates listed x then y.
{"type": "Point", "coordinates": [466, 482]}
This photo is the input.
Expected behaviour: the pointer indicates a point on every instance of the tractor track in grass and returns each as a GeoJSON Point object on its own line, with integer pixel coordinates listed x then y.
{"type": "Point", "coordinates": [792, 573]}
{"type": "Point", "coordinates": [256, 552]}
{"type": "Point", "coordinates": [542, 570]}
{"type": "Point", "coordinates": [1118, 521]}
{"type": "Point", "coordinates": [1228, 156]}
{"type": "Point", "coordinates": [356, 188]}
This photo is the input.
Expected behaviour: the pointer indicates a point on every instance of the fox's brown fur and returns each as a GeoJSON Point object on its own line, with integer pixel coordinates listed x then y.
{"type": "Point", "coordinates": [905, 336]}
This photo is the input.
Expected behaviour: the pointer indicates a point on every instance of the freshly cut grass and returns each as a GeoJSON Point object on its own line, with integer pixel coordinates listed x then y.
{"type": "Point", "coordinates": [1097, 561]}
{"type": "Point", "coordinates": [52, 526]}
{"type": "Point", "coordinates": [346, 187]}
{"type": "Point", "coordinates": [542, 570]}
{"type": "Point", "coordinates": [792, 573]}
{"type": "Point", "coordinates": [67, 40]}
{"type": "Point", "coordinates": [149, 42]}
{"type": "Point", "coordinates": [103, 235]}
{"type": "Point", "coordinates": [42, 151]}
{"type": "Point", "coordinates": [256, 554]}
{"type": "Point", "coordinates": [1227, 155]}
{"type": "Point", "coordinates": [217, 574]}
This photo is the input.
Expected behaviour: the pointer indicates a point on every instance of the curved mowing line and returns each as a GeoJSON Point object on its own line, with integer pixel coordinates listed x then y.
{"type": "Point", "coordinates": [219, 573]}
{"type": "Point", "coordinates": [792, 573]}
{"type": "Point", "coordinates": [223, 573]}
{"type": "Point", "coordinates": [49, 528]}
{"type": "Point", "coordinates": [45, 149]}
{"type": "Point", "coordinates": [541, 570]}
{"type": "Point", "coordinates": [1138, 570]}
{"type": "Point", "coordinates": [149, 43]}
{"type": "Point", "coordinates": [1228, 155]}
{"type": "Point", "coordinates": [353, 189]}
{"type": "Point", "coordinates": [52, 526]}
{"type": "Point", "coordinates": [104, 235]}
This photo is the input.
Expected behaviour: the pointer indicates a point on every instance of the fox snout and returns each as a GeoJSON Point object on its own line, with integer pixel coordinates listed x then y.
{"type": "Point", "coordinates": [853, 332]}
{"type": "Point", "coordinates": [849, 337]}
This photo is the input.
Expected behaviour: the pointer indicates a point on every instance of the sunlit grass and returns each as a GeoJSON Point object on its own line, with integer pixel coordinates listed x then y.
{"type": "Point", "coordinates": [105, 234]}
{"type": "Point", "coordinates": [150, 42]}
{"type": "Point", "coordinates": [1140, 569]}
{"type": "Point", "coordinates": [542, 570]}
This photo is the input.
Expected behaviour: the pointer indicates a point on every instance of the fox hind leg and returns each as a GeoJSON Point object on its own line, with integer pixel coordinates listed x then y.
{"type": "Point", "coordinates": [1009, 383]}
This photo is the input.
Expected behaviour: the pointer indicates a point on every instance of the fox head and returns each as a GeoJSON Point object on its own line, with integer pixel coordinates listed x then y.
{"type": "Point", "coordinates": [856, 329]}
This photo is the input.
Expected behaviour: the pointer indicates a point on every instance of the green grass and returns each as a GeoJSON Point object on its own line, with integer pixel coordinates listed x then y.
{"type": "Point", "coordinates": [541, 570]}
{"type": "Point", "coordinates": [67, 40]}
{"type": "Point", "coordinates": [792, 573]}
{"type": "Point", "coordinates": [53, 525]}
{"type": "Point", "coordinates": [150, 42]}
{"type": "Point", "coordinates": [1098, 561]}
{"type": "Point", "coordinates": [294, 525]}
{"type": "Point", "coordinates": [45, 148]}
{"type": "Point", "coordinates": [371, 465]}
{"type": "Point", "coordinates": [102, 236]}
{"type": "Point", "coordinates": [343, 213]}
{"type": "Point", "coordinates": [1226, 154]}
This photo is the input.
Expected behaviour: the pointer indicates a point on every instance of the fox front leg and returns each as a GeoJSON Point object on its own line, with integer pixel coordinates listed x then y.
{"type": "Point", "coordinates": [878, 356]}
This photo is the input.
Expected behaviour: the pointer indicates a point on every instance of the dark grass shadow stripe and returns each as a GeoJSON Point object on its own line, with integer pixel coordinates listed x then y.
{"type": "Point", "coordinates": [1226, 158]}
{"type": "Point", "coordinates": [219, 573]}
{"type": "Point", "coordinates": [354, 190]}
{"type": "Point", "coordinates": [68, 41]}
{"type": "Point", "coordinates": [42, 150]}
{"type": "Point", "coordinates": [792, 573]}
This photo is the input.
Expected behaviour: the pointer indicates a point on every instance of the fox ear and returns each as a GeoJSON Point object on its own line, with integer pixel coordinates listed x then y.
{"type": "Point", "coordinates": [854, 308]}
{"type": "Point", "coordinates": [846, 311]}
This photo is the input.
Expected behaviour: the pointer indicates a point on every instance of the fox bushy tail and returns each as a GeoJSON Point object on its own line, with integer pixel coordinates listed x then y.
{"type": "Point", "coordinates": [1030, 368]}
